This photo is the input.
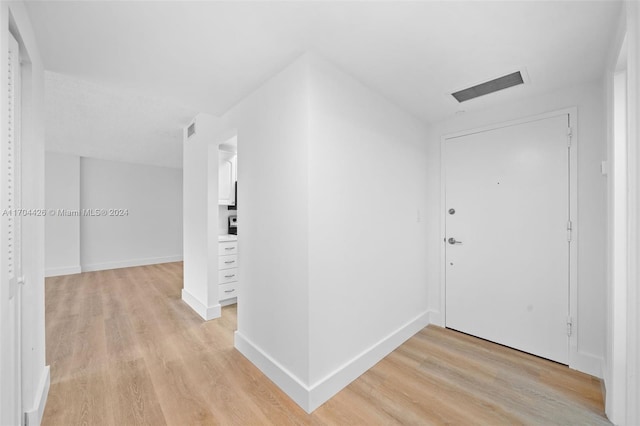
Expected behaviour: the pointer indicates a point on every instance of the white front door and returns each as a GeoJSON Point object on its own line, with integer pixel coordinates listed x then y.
{"type": "Point", "coordinates": [10, 235]}
{"type": "Point", "coordinates": [507, 248]}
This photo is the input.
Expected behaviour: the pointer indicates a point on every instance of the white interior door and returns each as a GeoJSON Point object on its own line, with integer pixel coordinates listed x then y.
{"type": "Point", "coordinates": [507, 202]}
{"type": "Point", "coordinates": [10, 233]}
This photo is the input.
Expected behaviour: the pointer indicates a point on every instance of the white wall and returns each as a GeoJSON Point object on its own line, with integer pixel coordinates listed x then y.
{"type": "Point", "coordinates": [592, 241]}
{"type": "Point", "coordinates": [633, 288]}
{"type": "Point", "coordinates": [273, 234]}
{"type": "Point", "coordinates": [331, 250]}
{"type": "Point", "coordinates": [200, 212]}
{"type": "Point", "coordinates": [62, 233]}
{"type": "Point", "coordinates": [367, 241]}
{"type": "Point", "coordinates": [151, 232]}
{"type": "Point", "coordinates": [35, 375]}
{"type": "Point", "coordinates": [223, 219]}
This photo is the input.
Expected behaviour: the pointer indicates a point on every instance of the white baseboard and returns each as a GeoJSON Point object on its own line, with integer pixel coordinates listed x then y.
{"type": "Point", "coordinates": [311, 397]}
{"type": "Point", "coordinates": [607, 396]}
{"type": "Point", "coordinates": [206, 312]}
{"type": "Point", "coordinates": [278, 374]}
{"type": "Point", "coordinates": [56, 272]}
{"type": "Point", "coordinates": [130, 263]}
{"type": "Point", "coordinates": [333, 383]}
{"type": "Point", "coordinates": [435, 318]}
{"type": "Point", "coordinates": [587, 363]}
{"type": "Point", "coordinates": [34, 417]}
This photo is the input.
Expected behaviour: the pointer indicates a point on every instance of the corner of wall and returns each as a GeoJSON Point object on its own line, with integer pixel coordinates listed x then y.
{"type": "Point", "coordinates": [587, 363]}
{"type": "Point", "coordinates": [206, 312]}
{"type": "Point", "coordinates": [311, 397]}
{"type": "Point", "coordinates": [56, 272]}
{"type": "Point", "coordinates": [435, 318]}
{"type": "Point", "coordinates": [324, 389]}
{"type": "Point", "coordinates": [276, 372]}
{"type": "Point", "coordinates": [34, 416]}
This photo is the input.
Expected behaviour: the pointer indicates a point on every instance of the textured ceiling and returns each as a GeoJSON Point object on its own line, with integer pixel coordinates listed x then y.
{"type": "Point", "coordinates": [206, 56]}
{"type": "Point", "coordinates": [98, 121]}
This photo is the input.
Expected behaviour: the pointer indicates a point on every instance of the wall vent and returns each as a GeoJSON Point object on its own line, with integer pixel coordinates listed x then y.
{"type": "Point", "coordinates": [191, 130]}
{"type": "Point", "coordinates": [487, 87]}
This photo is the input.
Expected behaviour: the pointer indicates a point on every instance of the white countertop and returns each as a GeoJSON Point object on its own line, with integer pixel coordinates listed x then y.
{"type": "Point", "coordinates": [228, 237]}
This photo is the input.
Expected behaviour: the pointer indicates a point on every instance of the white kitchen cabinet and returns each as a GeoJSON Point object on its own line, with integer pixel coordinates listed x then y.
{"type": "Point", "coordinates": [227, 262]}
{"type": "Point", "coordinates": [228, 293]}
{"type": "Point", "coordinates": [227, 276]}
{"type": "Point", "coordinates": [227, 272]}
{"type": "Point", "coordinates": [227, 176]}
{"type": "Point", "coordinates": [228, 247]}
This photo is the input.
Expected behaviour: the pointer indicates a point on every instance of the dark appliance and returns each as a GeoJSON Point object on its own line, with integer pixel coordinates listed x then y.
{"type": "Point", "coordinates": [233, 224]}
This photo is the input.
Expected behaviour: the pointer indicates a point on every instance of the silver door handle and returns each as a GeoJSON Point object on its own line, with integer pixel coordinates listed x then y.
{"type": "Point", "coordinates": [454, 241]}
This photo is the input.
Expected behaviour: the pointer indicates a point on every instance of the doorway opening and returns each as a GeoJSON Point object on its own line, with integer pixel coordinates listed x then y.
{"type": "Point", "coordinates": [228, 222]}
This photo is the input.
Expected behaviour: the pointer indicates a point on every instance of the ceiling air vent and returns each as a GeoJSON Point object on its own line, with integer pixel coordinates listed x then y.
{"type": "Point", "coordinates": [487, 87]}
{"type": "Point", "coordinates": [191, 130]}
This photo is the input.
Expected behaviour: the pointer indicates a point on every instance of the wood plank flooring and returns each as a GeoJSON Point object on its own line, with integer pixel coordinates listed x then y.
{"type": "Point", "coordinates": [125, 350]}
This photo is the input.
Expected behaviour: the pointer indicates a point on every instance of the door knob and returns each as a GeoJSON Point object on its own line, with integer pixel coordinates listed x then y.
{"type": "Point", "coordinates": [453, 241]}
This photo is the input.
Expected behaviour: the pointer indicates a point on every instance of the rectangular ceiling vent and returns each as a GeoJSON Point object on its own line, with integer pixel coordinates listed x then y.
{"type": "Point", "coordinates": [191, 130]}
{"type": "Point", "coordinates": [487, 87]}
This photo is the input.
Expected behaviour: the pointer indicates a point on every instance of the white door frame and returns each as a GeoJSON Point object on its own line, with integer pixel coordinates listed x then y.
{"type": "Point", "coordinates": [633, 169]}
{"type": "Point", "coordinates": [585, 364]}
{"type": "Point", "coordinates": [11, 404]}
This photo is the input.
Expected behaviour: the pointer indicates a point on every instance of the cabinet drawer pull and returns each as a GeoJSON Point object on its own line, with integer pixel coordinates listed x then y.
{"type": "Point", "coordinates": [229, 261]}
{"type": "Point", "coordinates": [230, 276]}
{"type": "Point", "coordinates": [230, 291]}
{"type": "Point", "coordinates": [229, 248]}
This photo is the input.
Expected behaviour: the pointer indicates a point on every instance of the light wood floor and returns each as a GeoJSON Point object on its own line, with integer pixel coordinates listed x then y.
{"type": "Point", "coordinates": [124, 349]}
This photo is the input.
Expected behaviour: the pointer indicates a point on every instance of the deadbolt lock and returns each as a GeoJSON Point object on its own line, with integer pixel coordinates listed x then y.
{"type": "Point", "coordinates": [452, 211]}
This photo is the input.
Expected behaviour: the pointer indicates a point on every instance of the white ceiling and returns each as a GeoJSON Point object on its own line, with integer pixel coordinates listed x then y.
{"type": "Point", "coordinates": [93, 120]}
{"type": "Point", "coordinates": [206, 56]}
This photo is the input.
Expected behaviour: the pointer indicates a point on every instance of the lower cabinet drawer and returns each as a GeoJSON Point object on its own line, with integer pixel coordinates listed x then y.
{"type": "Point", "coordinates": [227, 275]}
{"type": "Point", "coordinates": [227, 291]}
{"type": "Point", "coordinates": [226, 248]}
{"type": "Point", "coordinates": [226, 262]}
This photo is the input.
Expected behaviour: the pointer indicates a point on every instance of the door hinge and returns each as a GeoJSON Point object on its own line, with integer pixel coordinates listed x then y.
{"type": "Point", "coordinates": [25, 419]}
{"type": "Point", "coordinates": [569, 326]}
{"type": "Point", "coordinates": [569, 230]}
{"type": "Point", "coordinates": [569, 135]}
